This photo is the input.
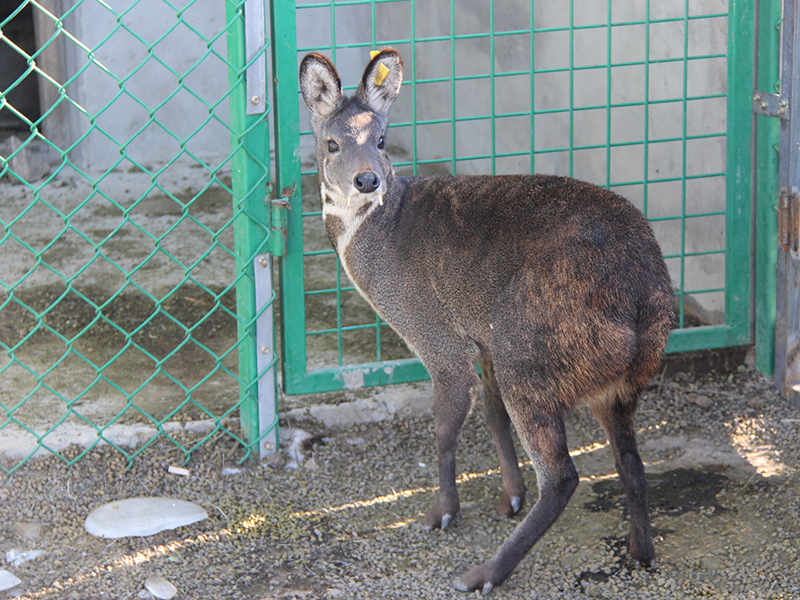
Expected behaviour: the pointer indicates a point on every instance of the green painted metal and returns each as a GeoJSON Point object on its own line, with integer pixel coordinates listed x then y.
{"type": "Point", "coordinates": [287, 173]}
{"type": "Point", "coordinates": [766, 188]}
{"type": "Point", "coordinates": [250, 162]}
{"type": "Point", "coordinates": [736, 252]}
{"type": "Point", "coordinates": [76, 354]}
{"type": "Point", "coordinates": [739, 174]}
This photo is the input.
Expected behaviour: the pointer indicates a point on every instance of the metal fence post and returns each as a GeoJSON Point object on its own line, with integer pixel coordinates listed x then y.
{"type": "Point", "coordinates": [787, 108]}
{"type": "Point", "coordinates": [250, 139]}
{"type": "Point", "coordinates": [765, 179]}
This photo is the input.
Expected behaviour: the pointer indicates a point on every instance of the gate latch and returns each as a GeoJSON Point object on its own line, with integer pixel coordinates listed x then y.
{"type": "Point", "coordinates": [789, 219]}
{"type": "Point", "coordinates": [771, 105]}
{"type": "Point", "coordinates": [279, 221]}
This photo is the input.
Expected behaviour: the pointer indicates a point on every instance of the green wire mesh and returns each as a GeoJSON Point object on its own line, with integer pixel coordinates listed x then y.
{"type": "Point", "coordinates": [120, 273]}
{"type": "Point", "coordinates": [630, 96]}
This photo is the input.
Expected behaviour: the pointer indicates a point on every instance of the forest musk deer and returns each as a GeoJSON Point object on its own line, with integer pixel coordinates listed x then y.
{"type": "Point", "coordinates": [555, 287]}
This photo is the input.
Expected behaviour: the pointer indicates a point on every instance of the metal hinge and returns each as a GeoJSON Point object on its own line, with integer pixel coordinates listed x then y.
{"type": "Point", "coordinates": [279, 220]}
{"type": "Point", "coordinates": [789, 219]}
{"type": "Point", "coordinates": [771, 105]}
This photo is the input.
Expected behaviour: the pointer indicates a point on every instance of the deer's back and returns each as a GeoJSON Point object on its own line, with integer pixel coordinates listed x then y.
{"type": "Point", "coordinates": [530, 250]}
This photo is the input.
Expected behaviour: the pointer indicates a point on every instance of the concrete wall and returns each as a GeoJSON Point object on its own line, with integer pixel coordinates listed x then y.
{"type": "Point", "coordinates": [129, 79]}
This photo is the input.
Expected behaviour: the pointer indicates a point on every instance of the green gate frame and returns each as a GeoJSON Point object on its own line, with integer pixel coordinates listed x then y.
{"type": "Point", "coordinates": [743, 216]}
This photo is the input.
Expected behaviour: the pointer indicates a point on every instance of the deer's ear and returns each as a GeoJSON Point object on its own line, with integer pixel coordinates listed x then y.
{"type": "Point", "coordinates": [320, 85]}
{"type": "Point", "coordinates": [381, 82]}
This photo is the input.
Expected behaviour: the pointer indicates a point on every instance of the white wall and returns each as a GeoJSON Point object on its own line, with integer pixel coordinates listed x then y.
{"type": "Point", "coordinates": [123, 110]}
{"type": "Point", "coordinates": [121, 117]}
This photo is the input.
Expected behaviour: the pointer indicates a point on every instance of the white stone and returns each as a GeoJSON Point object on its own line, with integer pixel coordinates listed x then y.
{"type": "Point", "coordinates": [160, 587]}
{"type": "Point", "coordinates": [142, 516]}
{"type": "Point", "coordinates": [17, 556]}
{"type": "Point", "coordinates": [8, 580]}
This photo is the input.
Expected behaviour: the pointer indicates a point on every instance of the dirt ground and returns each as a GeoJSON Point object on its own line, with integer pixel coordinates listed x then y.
{"type": "Point", "coordinates": [338, 518]}
{"type": "Point", "coordinates": [722, 454]}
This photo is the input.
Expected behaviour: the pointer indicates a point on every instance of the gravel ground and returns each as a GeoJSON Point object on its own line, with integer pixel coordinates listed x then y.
{"type": "Point", "coordinates": [721, 453]}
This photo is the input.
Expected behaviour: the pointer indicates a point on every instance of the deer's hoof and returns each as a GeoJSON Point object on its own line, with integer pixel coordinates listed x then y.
{"type": "Point", "coordinates": [477, 578]}
{"type": "Point", "coordinates": [510, 505]}
{"type": "Point", "coordinates": [642, 550]}
{"type": "Point", "coordinates": [438, 517]}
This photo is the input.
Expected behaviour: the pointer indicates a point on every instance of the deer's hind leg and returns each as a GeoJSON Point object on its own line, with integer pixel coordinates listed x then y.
{"type": "Point", "coordinates": [617, 418]}
{"type": "Point", "coordinates": [544, 438]}
{"type": "Point", "coordinates": [499, 422]}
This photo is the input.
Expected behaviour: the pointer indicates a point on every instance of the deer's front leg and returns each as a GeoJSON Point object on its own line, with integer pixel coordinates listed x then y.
{"type": "Point", "coordinates": [452, 402]}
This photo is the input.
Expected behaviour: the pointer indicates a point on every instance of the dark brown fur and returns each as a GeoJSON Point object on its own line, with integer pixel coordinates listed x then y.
{"type": "Point", "coordinates": [556, 287]}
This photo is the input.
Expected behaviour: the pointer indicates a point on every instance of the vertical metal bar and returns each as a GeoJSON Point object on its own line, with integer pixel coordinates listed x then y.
{"type": "Point", "coordinates": [766, 186]}
{"type": "Point", "coordinates": [571, 88]}
{"type": "Point", "coordinates": [453, 134]}
{"type": "Point", "coordinates": [608, 94]}
{"type": "Point", "coordinates": [533, 88]}
{"type": "Point", "coordinates": [493, 111]}
{"type": "Point", "coordinates": [339, 340]}
{"type": "Point", "coordinates": [286, 116]}
{"type": "Point", "coordinates": [255, 51]}
{"type": "Point", "coordinates": [250, 175]}
{"type": "Point", "coordinates": [265, 340]}
{"type": "Point", "coordinates": [684, 110]}
{"type": "Point", "coordinates": [646, 149]}
{"type": "Point", "coordinates": [414, 149]}
{"type": "Point", "coordinates": [741, 35]}
{"type": "Point", "coordinates": [787, 351]}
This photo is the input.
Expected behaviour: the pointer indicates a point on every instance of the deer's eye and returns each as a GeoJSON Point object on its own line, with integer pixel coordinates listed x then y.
{"type": "Point", "coordinates": [381, 143]}
{"type": "Point", "coordinates": [333, 146]}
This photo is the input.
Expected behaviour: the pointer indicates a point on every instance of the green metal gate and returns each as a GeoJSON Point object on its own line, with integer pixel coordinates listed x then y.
{"type": "Point", "coordinates": [133, 216]}
{"type": "Point", "coordinates": [653, 100]}
{"type": "Point", "coordinates": [135, 302]}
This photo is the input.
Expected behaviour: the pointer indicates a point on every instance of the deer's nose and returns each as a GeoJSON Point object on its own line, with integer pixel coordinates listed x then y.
{"type": "Point", "coordinates": [366, 182]}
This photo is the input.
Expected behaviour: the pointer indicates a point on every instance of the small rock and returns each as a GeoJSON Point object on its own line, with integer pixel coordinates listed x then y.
{"type": "Point", "coordinates": [28, 530]}
{"type": "Point", "coordinates": [142, 516]}
{"type": "Point", "coordinates": [334, 593]}
{"type": "Point", "coordinates": [274, 460]}
{"type": "Point", "coordinates": [297, 440]}
{"type": "Point", "coordinates": [756, 403]}
{"type": "Point", "coordinates": [700, 400]}
{"type": "Point", "coordinates": [160, 587]}
{"type": "Point", "coordinates": [199, 427]}
{"type": "Point", "coordinates": [17, 556]}
{"type": "Point", "coordinates": [8, 580]}
{"type": "Point", "coordinates": [311, 465]}
{"type": "Point", "coordinates": [145, 595]}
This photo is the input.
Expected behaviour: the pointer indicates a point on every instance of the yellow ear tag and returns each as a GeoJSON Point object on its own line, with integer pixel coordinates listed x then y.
{"type": "Point", "coordinates": [373, 54]}
{"type": "Point", "coordinates": [381, 73]}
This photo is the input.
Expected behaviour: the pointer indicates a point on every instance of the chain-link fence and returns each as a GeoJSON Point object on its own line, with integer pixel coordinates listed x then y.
{"type": "Point", "coordinates": [132, 208]}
